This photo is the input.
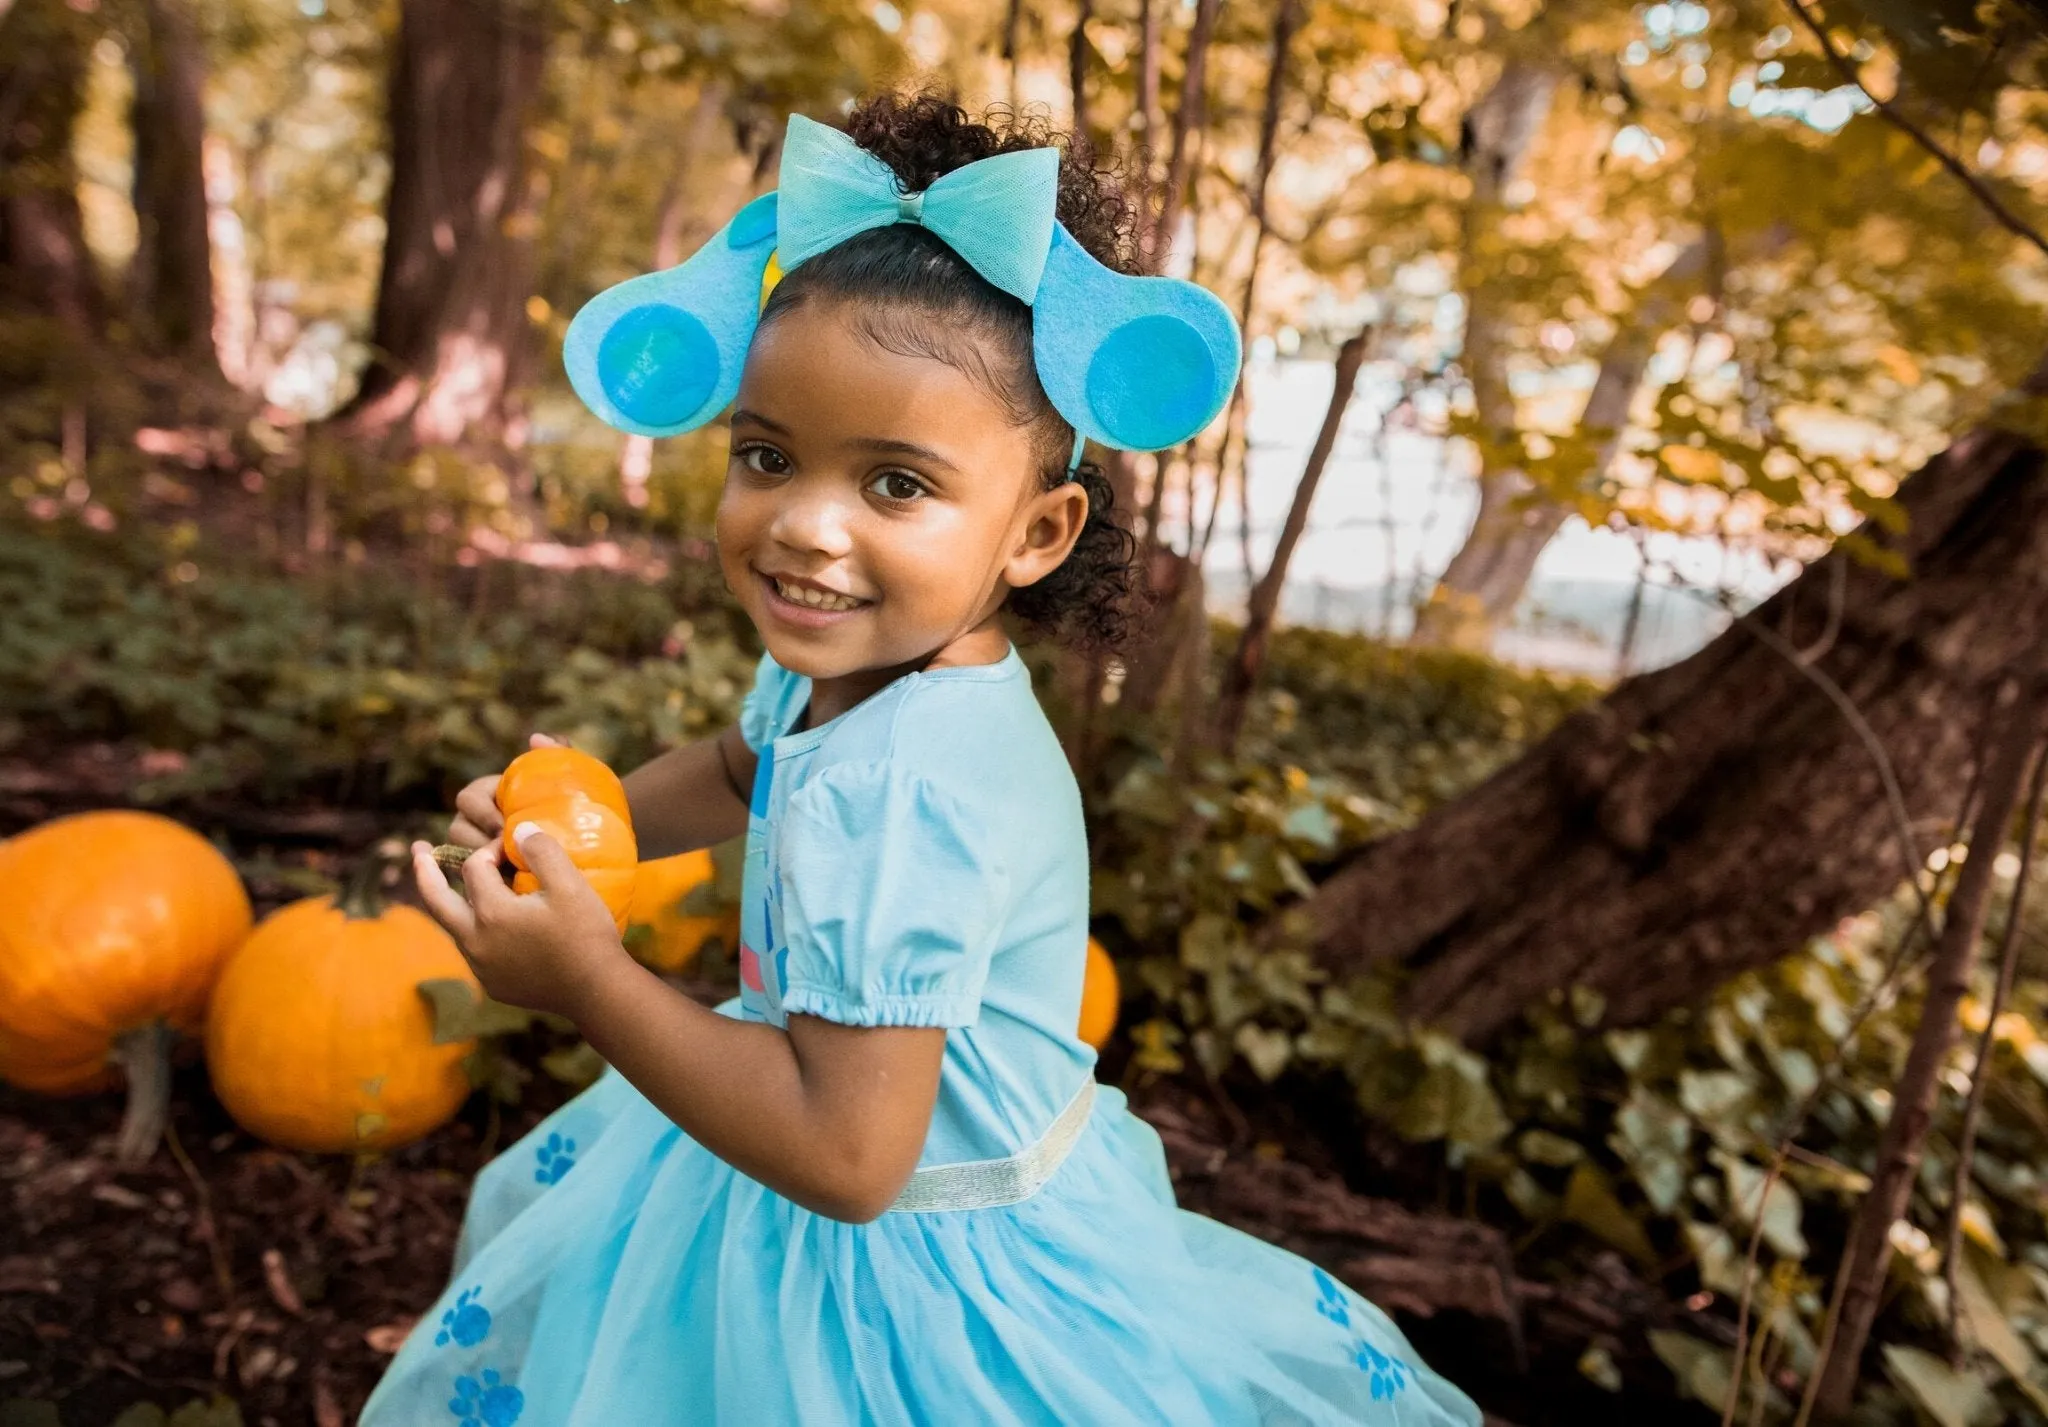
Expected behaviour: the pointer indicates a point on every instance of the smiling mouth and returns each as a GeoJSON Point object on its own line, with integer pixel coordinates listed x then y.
{"type": "Point", "coordinates": [814, 599]}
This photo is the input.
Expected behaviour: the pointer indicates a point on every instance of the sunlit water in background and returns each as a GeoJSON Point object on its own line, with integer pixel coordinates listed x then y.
{"type": "Point", "coordinates": [1380, 530]}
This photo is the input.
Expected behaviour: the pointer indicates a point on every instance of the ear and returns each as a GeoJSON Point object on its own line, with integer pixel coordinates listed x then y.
{"type": "Point", "coordinates": [1053, 521]}
{"type": "Point", "coordinates": [661, 354]}
{"type": "Point", "coordinates": [1138, 363]}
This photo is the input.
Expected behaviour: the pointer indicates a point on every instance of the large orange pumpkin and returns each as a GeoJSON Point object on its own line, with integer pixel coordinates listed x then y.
{"type": "Point", "coordinates": [1098, 997]}
{"type": "Point", "coordinates": [113, 928]}
{"type": "Point", "coordinates": [579, 802]}
{"type": "Point", "coordinates": [319, 1039]}
{"type": "Point", "coordinates": [658, 930]}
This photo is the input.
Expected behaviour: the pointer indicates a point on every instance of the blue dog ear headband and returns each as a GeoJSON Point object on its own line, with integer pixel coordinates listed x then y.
{"type": "Point", "coordinates": [1134, 363]}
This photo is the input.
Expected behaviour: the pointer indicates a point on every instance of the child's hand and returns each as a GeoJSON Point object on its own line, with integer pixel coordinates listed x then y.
{"type": "Point", "coordinates": [477, 819]}
{"type": "Point", "coordinates": [540, 950]}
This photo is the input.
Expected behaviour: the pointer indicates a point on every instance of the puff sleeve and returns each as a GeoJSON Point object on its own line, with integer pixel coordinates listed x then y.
{"type": "Point", "coordinates": [769, 708]}
{"type": "Point", "coordinates": [893, 900]}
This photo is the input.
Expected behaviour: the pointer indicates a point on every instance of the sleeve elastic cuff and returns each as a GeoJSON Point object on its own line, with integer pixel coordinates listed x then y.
{"type": "Point", "coordinates": [832, 1004]}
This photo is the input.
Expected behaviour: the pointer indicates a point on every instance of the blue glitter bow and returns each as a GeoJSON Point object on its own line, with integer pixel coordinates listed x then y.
{"type": "Point", "coordinates": [1134, 363]}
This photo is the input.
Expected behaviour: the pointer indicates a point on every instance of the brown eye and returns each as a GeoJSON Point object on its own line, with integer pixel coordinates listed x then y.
{"type": "Point", "coordinates": [897, 486]}
{"type": "Point", "coordinates": [763, 459]}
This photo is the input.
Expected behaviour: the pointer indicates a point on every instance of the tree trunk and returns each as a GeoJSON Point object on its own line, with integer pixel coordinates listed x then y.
{"type": "Point", "coordinates": [1077, 70]}
{"type": "Point", "coordinates": [1148, 83]}
{"type": "Point", "coordinates": [1485, 580]}
{"type": "Point", "coordinates": [45, 267]}
{"type": "Point", "coordinates": [1229, 452]}
{"type": "Point", "coordinates": [171, 279]}
{"type": "Point", "coordinates": [1158, 671]}
{"type": "Point", "coordinates": [1243, 671]}
{"type": "Point", "coordinates": [1188, 120]}
{"type": "Point", "coordinates": [1869, 1251]}
{"type": "Point", "coordinates": [1013, 41]}
{"type": "Point", "coordinates": [451, 334]}
{"type": "Point", "coordinates": [1706, 818]}
{"type": "Point", "coordinates": [1497, 135]}
{"type": "Point", "coordinates": [672, 229]}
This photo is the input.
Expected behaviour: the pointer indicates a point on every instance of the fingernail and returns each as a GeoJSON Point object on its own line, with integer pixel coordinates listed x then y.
{"type": "Point", "coordinates": [523, 832]}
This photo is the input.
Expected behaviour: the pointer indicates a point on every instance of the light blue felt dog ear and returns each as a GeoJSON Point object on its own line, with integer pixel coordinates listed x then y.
{"type": "Point", "coordinates": [661, 354]}
{"type": "Point", "coordinates": [1137, 363]}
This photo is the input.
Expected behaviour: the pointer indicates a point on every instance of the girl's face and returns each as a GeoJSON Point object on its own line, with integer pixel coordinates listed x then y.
{"type": "Point", "coordinates": [878, 507]}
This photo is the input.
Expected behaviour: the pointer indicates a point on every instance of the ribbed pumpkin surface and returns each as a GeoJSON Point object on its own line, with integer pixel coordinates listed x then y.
{"type": "Point", "coordinates": [578, 801]}
{"type": "Point", "coordinates": [673, 937]}
{"type": "Point", "coordinates": [108, 921]}
{"type": "Point", "coordinates": [319, 1039]}
{"type": "Point", "coordinates": [1099, 996]}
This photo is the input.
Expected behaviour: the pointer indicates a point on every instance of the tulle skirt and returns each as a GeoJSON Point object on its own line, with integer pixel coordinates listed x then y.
{"type": "Point", "coordinates": [611, 1273]}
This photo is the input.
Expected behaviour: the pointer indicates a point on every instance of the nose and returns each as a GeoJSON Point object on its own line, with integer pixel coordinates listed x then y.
{"type": "Point", "coordinates": [813, 517]}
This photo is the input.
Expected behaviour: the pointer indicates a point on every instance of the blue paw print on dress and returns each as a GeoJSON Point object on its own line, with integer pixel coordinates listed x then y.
{"type": "Point", "coordinates": [555, 1159]}
{"type": "Point", "coordinates": [486, 1402]}
{"type": "Point", "coordinates": [1385, 1375]}
{"type": "Point", "coordinates": [1388, 1375]}
{"type": "Point", "coordinates": [1330, 1300]}
{"type": "Point", "coordinates": [466, 1324]}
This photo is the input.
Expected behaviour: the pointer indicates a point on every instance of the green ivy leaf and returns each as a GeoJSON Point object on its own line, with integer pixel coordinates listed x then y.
{"type": "Point", "coordinates": [1952, 1398]}
{"type": "Point", "coordinates": [578, 1065]}
{"type": "Point", "coordinates": [28, 1412]}
{"type": "Point", "coordinates": [1543, 1147]}
{"type": "Point", "coordinates": [461, 1014]}
{"type": "Point", "coordinates": [1780, 1205]}
{"type": "Point", "coordinates": [1714, 1249]}
{"type": "Point", "coordinates": [1312, 823]}
{"type": "Point", "coordinates": [1267, 1051]}
{"type": "Point", "coordinates": [1704, 1372]}
{"type": "Point", "coordinates": [1590, 1202]}
{"type": "Point", "coordinates": [220, 1412]}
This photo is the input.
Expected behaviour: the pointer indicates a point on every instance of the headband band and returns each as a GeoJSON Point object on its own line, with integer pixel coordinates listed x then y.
{"type": "Point", "coordinates": [1132, 363]}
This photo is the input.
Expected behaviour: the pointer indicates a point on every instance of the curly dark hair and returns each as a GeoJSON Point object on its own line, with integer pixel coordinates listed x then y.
{"type": "Point", "coordinates": [915, 296]}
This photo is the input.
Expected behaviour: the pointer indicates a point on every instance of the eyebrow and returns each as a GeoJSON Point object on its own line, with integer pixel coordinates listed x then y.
{"type": "Point", "coordinates": [880, 445]}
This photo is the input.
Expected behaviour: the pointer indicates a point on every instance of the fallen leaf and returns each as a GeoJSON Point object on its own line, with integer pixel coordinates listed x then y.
{"type": "Point", "coordinates": [389, 1337]}
{"type": "Point", "coordinates": [117, 1196]}
{"type": "Point", "coordinates": [182, 1294]}
{"type": "Point", "coordinates": [280, 1284]}
{"type": "Point", "coordinates": [326, 1411]}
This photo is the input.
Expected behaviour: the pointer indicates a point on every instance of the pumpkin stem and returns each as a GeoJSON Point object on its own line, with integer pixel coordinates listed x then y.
{"type": "Point", "coordinates": [144, 1055]}
{"type": "Point", "coordinates": [363, 896]}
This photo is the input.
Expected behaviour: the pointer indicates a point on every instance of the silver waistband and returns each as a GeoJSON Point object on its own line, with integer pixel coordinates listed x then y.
{"type": "Point", "coordinates": [986, 1183]}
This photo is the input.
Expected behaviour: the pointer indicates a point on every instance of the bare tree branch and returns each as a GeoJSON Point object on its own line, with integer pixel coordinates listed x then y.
{"type": "Point", "coordinates": [1993, 205]}
{"type": "Point", "coordinates": [1980, 1071]}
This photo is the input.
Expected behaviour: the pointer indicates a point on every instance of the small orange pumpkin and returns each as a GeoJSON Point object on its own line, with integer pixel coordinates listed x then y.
{"type": "Point", "coordinates": [113, 928]}
{"type": "Point", "coordinates": [658, 931]}
{"type": "Point", "coordinates": [319, 1038]}
{"type": "Point", "coordinates": [580, 803]}
{"type": "Point", "coordinates": [1098, 997]}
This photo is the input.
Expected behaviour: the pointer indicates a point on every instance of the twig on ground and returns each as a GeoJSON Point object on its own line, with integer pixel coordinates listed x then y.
{"type": "Point", "coordinates": [209, 1222]}
{"type": "Point", "coordinates": [1915, 1096]}
{"type": "Point", "coordinates": [1980, 1072]}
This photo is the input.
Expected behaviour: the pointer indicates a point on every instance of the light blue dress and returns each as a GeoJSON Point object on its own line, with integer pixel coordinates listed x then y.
{"type": "Point", "coordinates": [919, 860]}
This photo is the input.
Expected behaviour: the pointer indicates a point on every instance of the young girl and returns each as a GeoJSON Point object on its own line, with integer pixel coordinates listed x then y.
{"type": "Point", "coordinates": [882, 1185]}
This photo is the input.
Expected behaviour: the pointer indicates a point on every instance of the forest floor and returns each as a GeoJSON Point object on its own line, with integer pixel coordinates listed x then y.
{"type": "Point", "coordinates": [284, 1282]}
